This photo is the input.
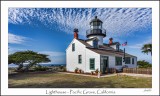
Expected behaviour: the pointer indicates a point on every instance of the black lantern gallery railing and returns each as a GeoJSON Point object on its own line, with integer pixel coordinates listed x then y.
{"type": "Point", "coordinates": [101, 32]}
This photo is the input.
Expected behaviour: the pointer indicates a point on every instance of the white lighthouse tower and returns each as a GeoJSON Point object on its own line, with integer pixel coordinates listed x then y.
{"type": "Point", "coordinates": [96, 30]}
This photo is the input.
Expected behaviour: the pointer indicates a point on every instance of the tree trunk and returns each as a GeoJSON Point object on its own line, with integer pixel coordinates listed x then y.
{"type": "Point", "coordinates": [29, 66]}
{"type": "Point", "coordinates": [26, 69]}
{"type": "Point", "coordinates": [20, 67]}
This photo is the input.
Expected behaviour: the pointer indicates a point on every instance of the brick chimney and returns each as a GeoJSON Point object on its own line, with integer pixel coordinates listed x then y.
{"type": "Point", "coordinates": [110, 40]}
{"type": "Point", "coordinates": [76, 33]}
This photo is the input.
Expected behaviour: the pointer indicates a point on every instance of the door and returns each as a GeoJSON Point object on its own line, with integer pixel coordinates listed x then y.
{"type": "Point", "coordinates": [104, 64]}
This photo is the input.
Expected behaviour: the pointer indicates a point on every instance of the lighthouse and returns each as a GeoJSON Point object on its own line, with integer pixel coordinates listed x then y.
{"type": "Point", "coordinates": [91, 54]}
{"type": "Point", "coordinates": [96, 30]}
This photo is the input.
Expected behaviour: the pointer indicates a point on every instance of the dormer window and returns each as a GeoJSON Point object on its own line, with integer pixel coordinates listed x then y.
{"type": "Point", "coordinates": [114, 45]}
{"type": "Point", "coordinates": [117, 47]}
{"type": "Point", "coordinates": [95, 43]}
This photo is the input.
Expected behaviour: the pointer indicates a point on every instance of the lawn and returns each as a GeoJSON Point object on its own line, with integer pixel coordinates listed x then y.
{"type": "Point", "coordinates": [58, 80]}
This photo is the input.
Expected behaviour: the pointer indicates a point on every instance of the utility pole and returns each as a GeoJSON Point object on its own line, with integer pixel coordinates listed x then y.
{"type": "Point", "coordinates": [124, 56]}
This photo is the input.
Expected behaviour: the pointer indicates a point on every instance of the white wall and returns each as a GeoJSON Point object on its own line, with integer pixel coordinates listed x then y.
{"type": "Point", "coordinates": [113, 46]}
{"type": "Point", "coordinates": [132, 65]}
{"type": "Point", "coordinates": [91, 54]}
{"type": "Point", "coordinates": [80, 49]}
{"type": "Point", "coordinates": [112, 62]}
{"type": "Point", "coordinates": [100, 38]}
{"type": "Point", "coordinates": [90, 42]}
{"type": "Point", "coordinates": [72, 57]}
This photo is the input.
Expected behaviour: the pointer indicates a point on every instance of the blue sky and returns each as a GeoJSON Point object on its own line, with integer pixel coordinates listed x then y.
{"type": "Point", "coordinates": [50, 30]}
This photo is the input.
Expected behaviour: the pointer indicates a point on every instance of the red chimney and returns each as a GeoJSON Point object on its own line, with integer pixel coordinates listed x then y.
{"type": "Point", "coordinates": [110, 40]}
{"type": "Point", "coordinates": [76, 33]}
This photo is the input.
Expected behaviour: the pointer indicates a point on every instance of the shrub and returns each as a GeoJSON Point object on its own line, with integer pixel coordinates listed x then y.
{"type": "Point", "coordinates": [40, 68]}
{"type": "Point", "coordinates": [112, 70]}
{"type": "Point", "coordinates": [79, 70]}
{"type": "Point", "coordinates": [96, 71]}
{"type": "Point", "coordinates": [92, 72]}
{"type": "Point", "coordinates": [64, 69]}
{"type": "Point", "coordinates": [61, 67]}
{"type": "Point", "coordinates": [144, 64]}
{"type": "Point", "coordinates": [76, 70]}
{"type": "Point", "coordinates": [82, 71]}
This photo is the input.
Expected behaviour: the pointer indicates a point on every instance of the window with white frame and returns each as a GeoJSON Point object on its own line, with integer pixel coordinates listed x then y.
{"type": "Point", "coordinates": [127, 60]}
{"type": "Point", "coordinates": [79, 59]}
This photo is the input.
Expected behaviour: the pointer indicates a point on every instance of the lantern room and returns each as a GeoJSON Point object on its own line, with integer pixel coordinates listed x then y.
{"type": "Point", "coordinates": [96, 30]}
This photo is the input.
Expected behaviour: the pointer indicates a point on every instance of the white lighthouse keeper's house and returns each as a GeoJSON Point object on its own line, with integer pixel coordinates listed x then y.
{"type": "Point", "coordinates": [92, 53]}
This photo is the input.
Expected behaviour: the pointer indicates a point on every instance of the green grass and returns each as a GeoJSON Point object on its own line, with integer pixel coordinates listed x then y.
{"type": "Point", "coordinates": [57, 80]}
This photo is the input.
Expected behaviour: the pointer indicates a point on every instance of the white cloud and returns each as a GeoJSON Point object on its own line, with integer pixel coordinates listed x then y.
{"type": "Point", "coordinates": [16, 39]}
{"type": "Point", "coordinates": [115, 20]}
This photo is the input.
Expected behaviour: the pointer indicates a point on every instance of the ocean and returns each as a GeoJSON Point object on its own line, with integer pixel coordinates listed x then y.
{"type": "Point", "coordinates": [49, 65]}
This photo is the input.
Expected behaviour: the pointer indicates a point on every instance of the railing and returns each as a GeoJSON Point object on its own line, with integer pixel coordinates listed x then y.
{"type": "Point", "coordinates": [96, 32]}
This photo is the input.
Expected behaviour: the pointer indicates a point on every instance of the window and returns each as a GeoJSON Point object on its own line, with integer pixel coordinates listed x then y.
{"type": "Point", "coordinates": [127, 60]}
{"type": "Point", "coordinates": [79, 59]}
{"type": "Point", "coordinates": [92, 63]}
{"type": "Point", "coordinates": [132, 60]}
{"type": "Point", "coordinates": [118, 60]}
{"type": "Point", "coordinates": [73, 47]}
{"type": "Point", "coordinates": [96, 27]}
{"type": "Point", "coordinates": [95, 43]}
